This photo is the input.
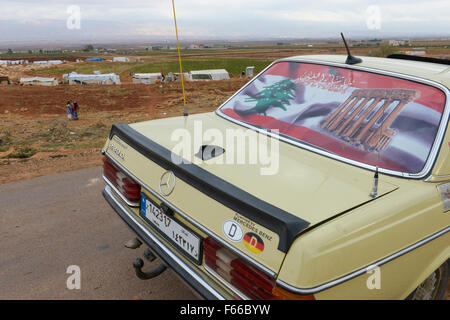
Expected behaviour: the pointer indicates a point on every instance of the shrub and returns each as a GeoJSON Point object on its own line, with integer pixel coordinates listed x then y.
{"type": "Point", "coordinates": [21, 153]}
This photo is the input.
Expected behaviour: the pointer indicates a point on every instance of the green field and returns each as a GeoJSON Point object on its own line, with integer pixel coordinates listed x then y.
{"type": "Point", "coordinates": [233, 66]}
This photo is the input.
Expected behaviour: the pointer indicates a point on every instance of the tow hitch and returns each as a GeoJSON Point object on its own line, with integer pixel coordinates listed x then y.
{"type": "Point", "coordinates": [138, 264]}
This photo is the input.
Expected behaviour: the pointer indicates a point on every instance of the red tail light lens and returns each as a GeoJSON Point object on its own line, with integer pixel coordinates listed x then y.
{"type": "Point", "coordinates": [244, 277]}
{"type": "Point", "coordinates": [123, 183]}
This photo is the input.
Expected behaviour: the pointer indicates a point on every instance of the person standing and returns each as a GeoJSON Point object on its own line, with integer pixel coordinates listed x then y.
{"type": "Point", "coordinates": [69, 110]}
{"type": "Point", "coordinates": [75, 110]}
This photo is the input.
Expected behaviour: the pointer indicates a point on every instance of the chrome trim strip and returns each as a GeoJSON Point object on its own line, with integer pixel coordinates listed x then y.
{"type": "Point", "coordinates": [128, 202]}
{"type": "Point", "coordinates": [163, 247]}
{"type": "Point", "coordinates": [361, 271]}
{"type": "Point", "coordinates": [226, 283]}
{"type": "Point", "coordinates": [434, 149]}
{"type": "Point", "coordinates": [256, 264]}
{"type": "Point", "coordinates": [437, 176]}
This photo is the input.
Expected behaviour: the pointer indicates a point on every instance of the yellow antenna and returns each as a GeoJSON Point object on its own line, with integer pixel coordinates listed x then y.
{"type": "Point", "coordinates": [179, 57]}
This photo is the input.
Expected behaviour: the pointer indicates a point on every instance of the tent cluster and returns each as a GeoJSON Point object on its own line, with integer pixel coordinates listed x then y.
{"type": "Point", "coordinates": [98, 78]}
{"type": "Point", "coordinates": [9, 62]}
{"type": "Point", "coordinates": [12, 62]}
{"type": "Point", "coordinates": [199, 75]}
{"type": "Point", "coordinates": [75, 78]}
{"type": "Point", "coordinates": [115, 59]}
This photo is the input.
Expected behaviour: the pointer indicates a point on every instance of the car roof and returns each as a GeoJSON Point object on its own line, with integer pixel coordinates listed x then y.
{"type": "Point", "coordinates": [427, 70]}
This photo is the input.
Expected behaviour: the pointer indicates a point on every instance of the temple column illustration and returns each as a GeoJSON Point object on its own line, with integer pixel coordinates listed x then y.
{"type": "Point", "coordinates": [382, 132]}
{"type": "Point", "coordinates": [362, 103]}
{"type": "Point", "coordinates": [369, 125]}
{"type": "Point", "coordinates": [341, 116]}
{"type": "Point", "coordinates": [353, 129]}
{"type": "Point", "coordinates": [361, 125]}
{"type": "Point", "coordinates": [335, 113]}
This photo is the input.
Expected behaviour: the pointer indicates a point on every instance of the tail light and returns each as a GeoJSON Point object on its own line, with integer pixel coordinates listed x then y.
{"type": "Point", "coordinates": [127, 187]}
{"type": "Point", "coordinates": [244, 277]}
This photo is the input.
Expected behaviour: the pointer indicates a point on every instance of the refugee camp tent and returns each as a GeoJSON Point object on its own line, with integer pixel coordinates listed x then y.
{"type": "Point", "coordinates": [121, 59]}
{"type": "Point", "coordinates": [94, 59]}
{"type": "Point", "coordinates": [39, 81]}
{"type": "Point", "coordinates": [51, 62]}
{"type": "Point", "coordinates": [147, 78]}
{"type": "Point", "coordinates": [75, 78]}
{"type": "Point", "coordinates": [13, 61]}
{"type": "Point", "coordinates": [217, 74]}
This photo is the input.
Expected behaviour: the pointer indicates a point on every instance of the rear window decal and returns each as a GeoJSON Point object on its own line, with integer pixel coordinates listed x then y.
{"type": "Point", "coordinates": [366, 117]}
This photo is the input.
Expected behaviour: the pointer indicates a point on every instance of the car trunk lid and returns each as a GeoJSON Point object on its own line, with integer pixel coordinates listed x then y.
{"type": "Point", "coordinates": [271, 210]}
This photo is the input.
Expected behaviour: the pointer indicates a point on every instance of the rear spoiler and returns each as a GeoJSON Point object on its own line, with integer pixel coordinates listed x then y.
{"type": "Point", "coordinates": [285, 224]}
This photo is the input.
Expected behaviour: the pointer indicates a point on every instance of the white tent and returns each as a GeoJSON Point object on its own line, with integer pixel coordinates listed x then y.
{"type": "Point", "coordinates": [52, 62]}
{"type": "Point", "coordinates": [147, 78]}
{"type": "Point", "coordinates": [217, 74]}
{"type": "Point", "coordinates": [121, 59]}
{"type": "Point", "coordinates": [13, 61]}
{"type": "Point", "coordinates": [75, 78]}
{"type": "Point", "coordinates": [39, 81]}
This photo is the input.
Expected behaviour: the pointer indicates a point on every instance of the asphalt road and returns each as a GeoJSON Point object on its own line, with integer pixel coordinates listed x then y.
{"type": "Point", "coordinates": [52, 222]}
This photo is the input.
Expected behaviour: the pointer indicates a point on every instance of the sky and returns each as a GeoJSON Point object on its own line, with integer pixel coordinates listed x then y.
{"type": "Point", "coordinates": [96, 21]}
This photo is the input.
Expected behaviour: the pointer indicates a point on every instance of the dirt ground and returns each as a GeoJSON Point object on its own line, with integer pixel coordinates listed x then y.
{"type": "Point", "coordinates": [33, 120]}
{"type": "Point", "coordinates": [15, 72]}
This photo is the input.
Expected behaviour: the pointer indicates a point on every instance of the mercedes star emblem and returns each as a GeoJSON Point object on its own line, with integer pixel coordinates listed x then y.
{"type": "Point", "coordinates": [167, 183]}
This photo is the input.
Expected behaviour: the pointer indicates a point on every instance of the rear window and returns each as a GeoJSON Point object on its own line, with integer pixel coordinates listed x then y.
{"type": "Point", "coordinates": [366, 117]}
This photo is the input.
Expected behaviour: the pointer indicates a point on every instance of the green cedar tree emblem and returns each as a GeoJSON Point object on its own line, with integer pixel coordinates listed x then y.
{"type": "Point", "coordinates": [277, 95]}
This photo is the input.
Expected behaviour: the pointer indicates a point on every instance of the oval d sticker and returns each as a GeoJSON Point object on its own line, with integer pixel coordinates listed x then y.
{"type": "Point", "coordinates": [232, 230]}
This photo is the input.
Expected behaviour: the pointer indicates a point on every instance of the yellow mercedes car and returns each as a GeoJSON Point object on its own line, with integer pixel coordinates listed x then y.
{"type": "Point", "coordinates": [322, 178]}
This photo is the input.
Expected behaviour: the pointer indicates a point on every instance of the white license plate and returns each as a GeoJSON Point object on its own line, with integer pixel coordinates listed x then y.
{"type": "Point", "coordinates": [183, 238]}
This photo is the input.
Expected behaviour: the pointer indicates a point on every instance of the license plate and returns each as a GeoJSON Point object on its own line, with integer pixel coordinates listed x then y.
{"type": "Point", "coordinates": [186, 240]}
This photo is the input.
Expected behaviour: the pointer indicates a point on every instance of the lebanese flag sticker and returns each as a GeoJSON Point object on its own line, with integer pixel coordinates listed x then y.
{"type": "Point", "coordinates": [253, 242]}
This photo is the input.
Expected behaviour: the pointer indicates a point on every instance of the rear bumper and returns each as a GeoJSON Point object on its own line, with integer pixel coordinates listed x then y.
{"type": "Point", "coordinates": [199, 283]}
